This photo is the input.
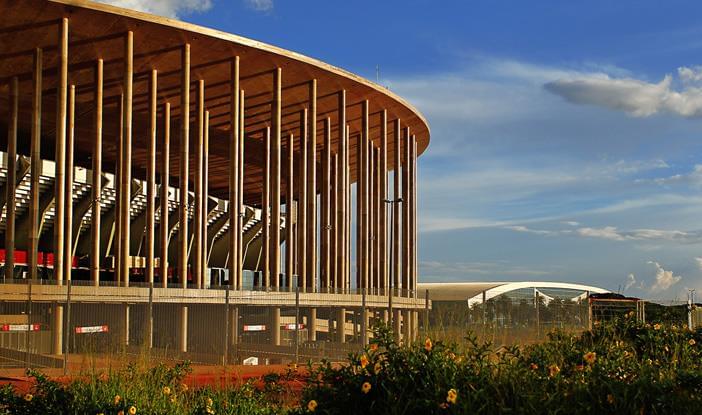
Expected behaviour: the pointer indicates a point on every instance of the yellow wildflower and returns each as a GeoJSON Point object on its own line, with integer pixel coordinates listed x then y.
{"type": "Point", "coordinates": [534, 366]}
{"type": "Point", "coordinates": [311, 405]}
{"type": "Point", "coordinates": [377, 368]}
{"type": "Point", "coordinates": [374, 347]}
{"type": "Point", "coordinates": [590, 357]}
{"type": "Point", "coordinates": [28, 397]}
{"type": "Point", "coordinates": [166, 390]}
{"type": "Point", "coordinates": [553, 370]}
{"type": "Point", "coordinates": [209, 401]}
{"type": "Point", "coordinates": [366, 387]}
{"type": "Point", "coordinates": [120, 413]}
{"type": "Point", "coordinates": [173, 398]}
{"type": "Point", "coordinates": [427, 344]}
{"type": "Point", "coordinates": [364, 361]}
{"type": "Point", "coordinates": [209, 410]}
{"type": "Point", "coordinates": [118, 399]}
{"type": "Point", "coordinates": [184, 387]}
{"type": "Point", "coordinates": [656, 326]}
{"type": "Point", "coordinates": [691, 342]}
{"type": "Point", "coordinates": [610, 399]}
{"type": "Point", "coordinates": [451, 396]}
{"type": "Point", "coordinates": [132, 410]}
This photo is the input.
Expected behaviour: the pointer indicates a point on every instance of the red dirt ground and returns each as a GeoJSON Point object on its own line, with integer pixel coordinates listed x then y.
{"type": "Point", "coordinates": [202, 375]}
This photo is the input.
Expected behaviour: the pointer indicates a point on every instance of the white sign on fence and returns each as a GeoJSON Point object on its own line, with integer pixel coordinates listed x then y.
{"type": "Point", "coordinates": [92, 329]}
{"type": "Point", "coordinates": [20, 327]}
{"type": "Point", "coordinates": [259, 327]}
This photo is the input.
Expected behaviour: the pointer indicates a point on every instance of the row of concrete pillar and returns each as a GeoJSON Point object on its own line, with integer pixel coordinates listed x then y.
{"type": "Point", "coordinates": [319, 253]}
{"type": "Point", "coordinates": [405, 322]}
{"type": "Point", "coordinates": [330, 270]}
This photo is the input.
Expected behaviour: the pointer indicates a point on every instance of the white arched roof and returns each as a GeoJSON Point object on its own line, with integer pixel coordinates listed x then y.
{"type": "Point", "coordinates": [476, 292]}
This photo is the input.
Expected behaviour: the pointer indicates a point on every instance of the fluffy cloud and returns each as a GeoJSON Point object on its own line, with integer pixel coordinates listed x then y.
{"type": "Point", "coordinates": [260, 5]}
{"type": "Point", "coordinates": [168, 8]}
{"type": "Point", "coordinates": [688, 75]}
{"type": "Point", "coordinates": [633, 96]}
{"type": "Point", "coordinates": [664, 279]}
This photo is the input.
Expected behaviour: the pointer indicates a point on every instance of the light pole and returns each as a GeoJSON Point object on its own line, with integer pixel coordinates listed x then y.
{"type": "Point", "coordinates": [690, 307]}
{"type": "Point", "coordinates": [391, 202]}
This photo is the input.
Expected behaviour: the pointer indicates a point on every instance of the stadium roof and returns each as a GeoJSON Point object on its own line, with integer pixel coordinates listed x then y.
{"type": "Point", "coordinates": [473, 291]}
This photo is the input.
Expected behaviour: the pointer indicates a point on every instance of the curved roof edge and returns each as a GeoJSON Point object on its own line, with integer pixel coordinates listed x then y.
{"type": "Point", "coordinates": [220, 34]}
{"type": "Point", "coordinates": [473, 291]}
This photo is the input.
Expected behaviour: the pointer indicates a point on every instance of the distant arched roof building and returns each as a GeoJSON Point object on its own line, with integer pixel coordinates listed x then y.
{"type": "Point", "coordinates": [478, 292]}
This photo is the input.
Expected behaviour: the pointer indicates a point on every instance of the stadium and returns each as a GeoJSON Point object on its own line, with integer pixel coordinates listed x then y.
{"type": "Point", "coordinates": [172, 187]}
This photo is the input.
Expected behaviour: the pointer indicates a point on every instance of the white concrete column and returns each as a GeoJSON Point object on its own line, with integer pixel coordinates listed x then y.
{"type": "Point", "coordinates": [406, 326]}
{"type": "Point", "coordinates": [341, 325]}
{"type": "Point", "coordinates": [396, 324]}
{"type": "Point", "coordinates": [365, 325]}
{"type": "Point", "coordinates": [124, 322]}
{"type": "Point", "coordinates": [415, 324]}
{"type": "Point", "coordinates": [312, 324]}
{"type": "Point", "coordinates": [183, 332]}
{"type": "Point", "coordinates": [234, 325]}
{"type": "Point", "coordinates": [275, 325]}
{"type": "Point", "coordinates": [57, 330]}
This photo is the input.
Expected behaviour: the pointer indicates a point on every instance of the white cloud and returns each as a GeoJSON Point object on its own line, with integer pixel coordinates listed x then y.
{"type": "Point", "coordinates": [608, 232]}
{"type": "Point", "coordinates": [520, 228]}
{"type": "Point", "coordinates": [465, 271]}
{"type": "Point", "coordinates": [692, 74]}
{"type": "Point", "coordinates": [168, 8]}
{"type": "Point", "coordinates": [571, 223]}
{"type": "Point", "coordinates": [655, 200]}
{"type": "Point", "coordinates": [698, 260]}
{"type": "Point", "coordinates": [693, 178]}
{"type": "Point", "coordinates": [637, 166]}
{"type": "Point", "coordinates": [260, 5]}
{"type": "Point", "coordinates": [636, 97]}
{"type": "Point", "coordinates": [630, 281]}
{"type": "Point", "coordinates": [664, 279]}
{"type": "Point", "coordinates": [446, 223]}
{"type": "Point", "coordinates": [614, 234]}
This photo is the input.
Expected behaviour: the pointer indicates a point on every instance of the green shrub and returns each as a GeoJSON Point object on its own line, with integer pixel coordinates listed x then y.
{"type": "Point", "coordinates": [621, 367]}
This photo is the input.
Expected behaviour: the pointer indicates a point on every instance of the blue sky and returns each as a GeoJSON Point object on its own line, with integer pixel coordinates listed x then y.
{"type": "Point", "coordinates": [566, 136]}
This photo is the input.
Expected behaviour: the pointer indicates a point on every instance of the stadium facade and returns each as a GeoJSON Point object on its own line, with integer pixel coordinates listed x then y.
{"type": "Point", "coordinates": [153, 162]}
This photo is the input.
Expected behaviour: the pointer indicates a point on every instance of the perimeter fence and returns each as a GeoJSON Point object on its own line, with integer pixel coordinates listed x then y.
{"type": "Point", "coordinates": [78, 326]}
{"type": "Point", "coordinates": [509, 320]}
